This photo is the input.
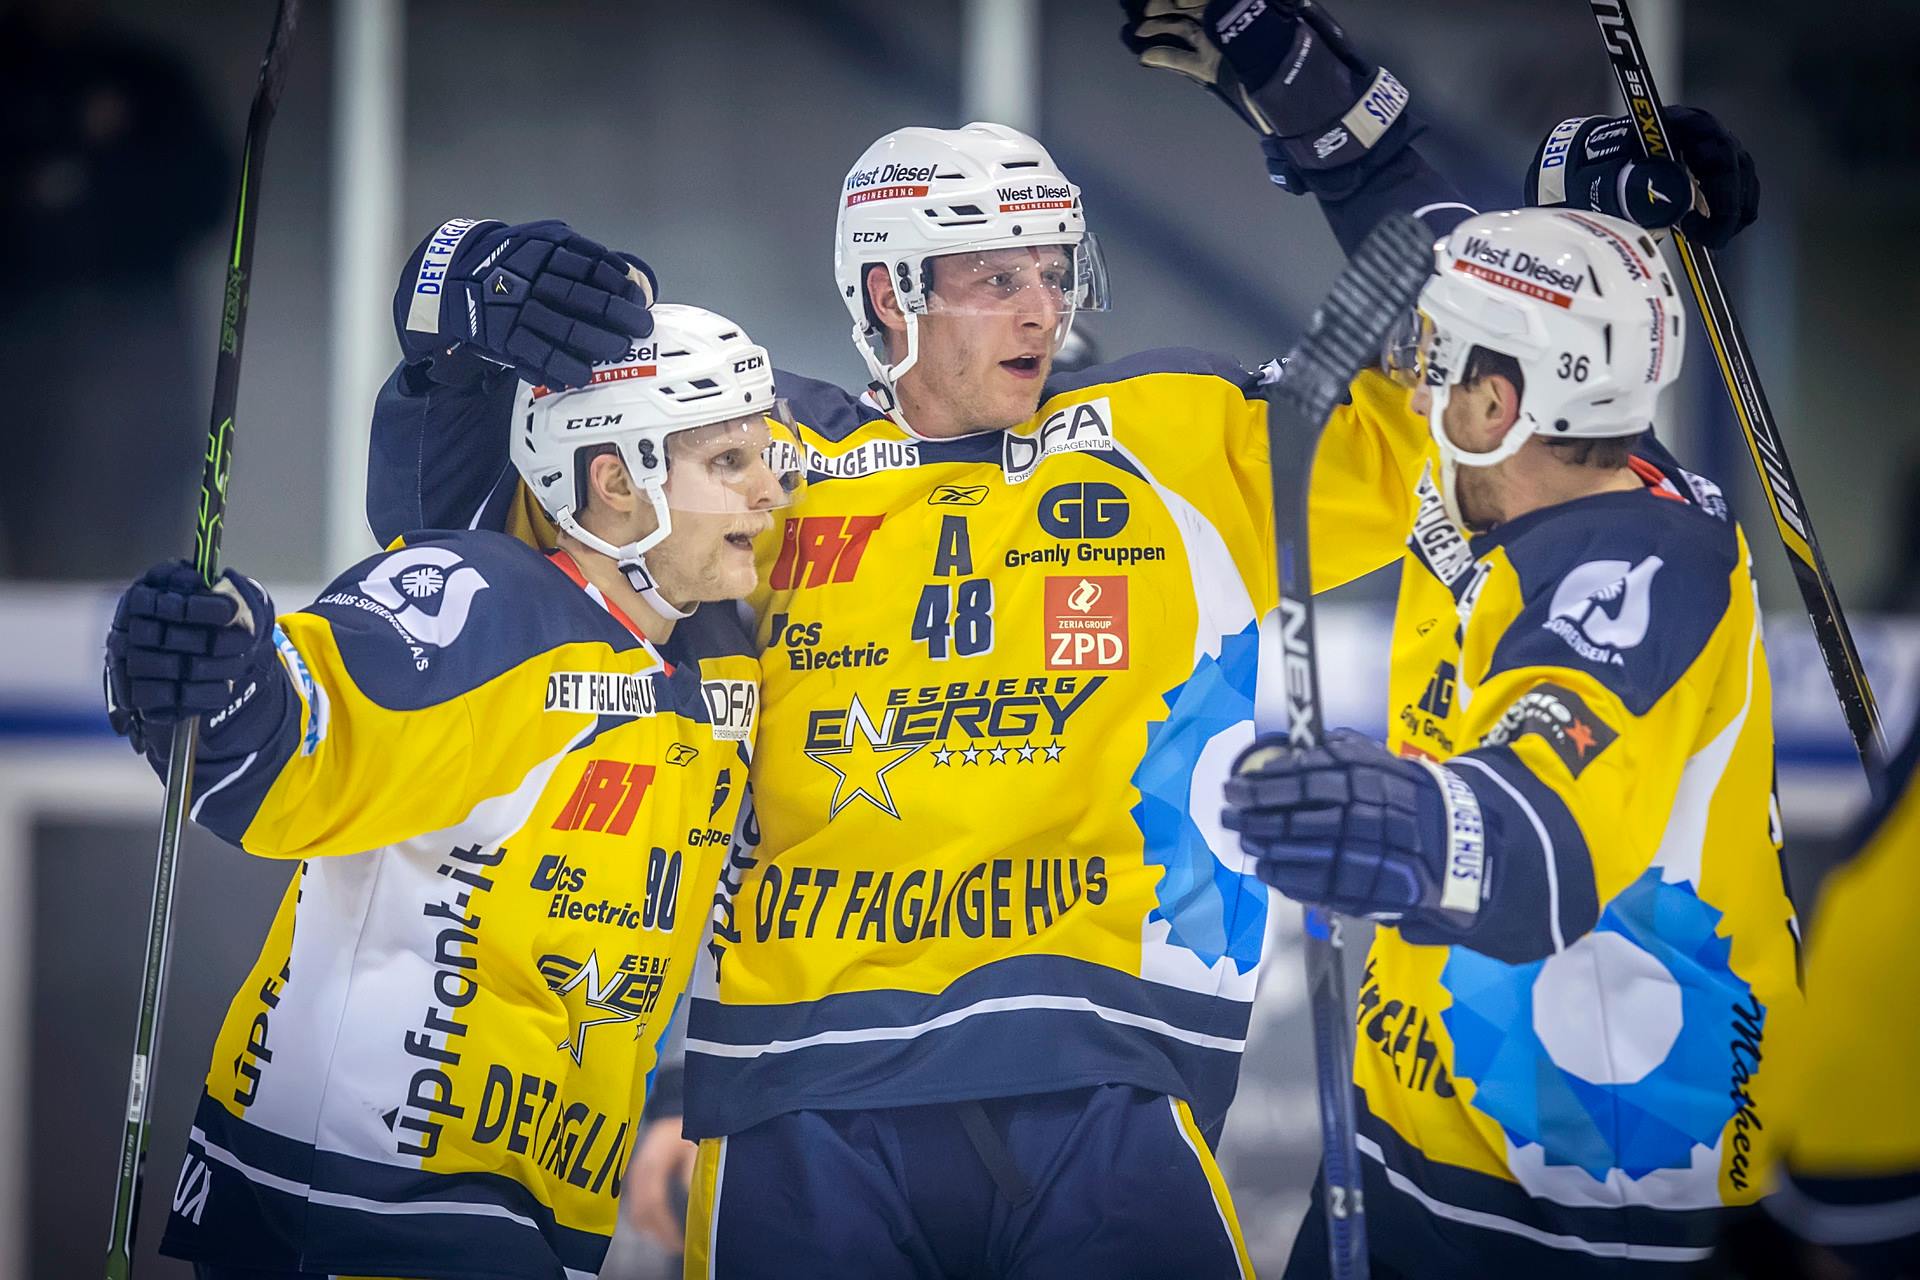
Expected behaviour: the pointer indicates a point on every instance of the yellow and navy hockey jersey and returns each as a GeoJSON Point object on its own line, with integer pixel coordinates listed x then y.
{"type": "Point", "coordinates": [509, 813]}
{"type": "Point", "coordinates": [1588, 1080]}
{"type": "Point", "coordinates": [1004, 677]}
{"type": "Point", "coordinates": [1851, 1137]}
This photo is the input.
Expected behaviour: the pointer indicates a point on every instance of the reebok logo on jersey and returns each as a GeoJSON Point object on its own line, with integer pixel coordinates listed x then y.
{"type": "Point", "coordinates": [1604, 606]}
{"type": "Point", "coordinates": [816, 550]}
{"type": "Point", "coordinates": [957, 495]}
{"type": "Point", "coordinates": [606, 798]}
{"type": "Point", "coordinates": [1560, 718]}
{"type": "Point", "coordinates": [1086, 624]}
{"type": "Point", "coordinates": [1076, 428]}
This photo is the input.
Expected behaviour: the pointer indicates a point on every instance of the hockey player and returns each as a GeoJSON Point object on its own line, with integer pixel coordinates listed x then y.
{"type": "Point", "coordinates": [986, 977]}
{"type": "Point", "coordinates": [1569, 1016]}
{"type": "Point", "coordinates": [1847, 1200]}
{"type": "Point", "coordinates": [509, 812]}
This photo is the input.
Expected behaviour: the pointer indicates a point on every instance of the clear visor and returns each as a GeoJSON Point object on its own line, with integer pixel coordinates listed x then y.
{"type": "Point", "coordinates": [1048, 280]}
{"type": "Point", "coordinates": [1418, 354]}
{"type": "Point", "coordinates": [754, 463]}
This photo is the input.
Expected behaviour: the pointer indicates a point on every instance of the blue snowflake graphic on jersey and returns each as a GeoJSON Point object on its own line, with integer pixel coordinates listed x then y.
{"type": "Point", "coordinates": [1210, 910]}
{"type": "Point", "coordinates": [1653, 1122]}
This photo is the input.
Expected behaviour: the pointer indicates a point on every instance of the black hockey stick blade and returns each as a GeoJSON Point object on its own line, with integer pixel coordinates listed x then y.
{"type": "Point", "coordinates": [1379, 286]}
{"type": "Point", "coordinates": [209, 520]}
{"type": "Point", "coordinates": [1784, 500]}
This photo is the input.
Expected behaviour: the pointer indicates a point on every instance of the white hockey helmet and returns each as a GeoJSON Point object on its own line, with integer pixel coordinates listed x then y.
{"type": "Point", "coordinates": [1582, 301]}
{"type": "Point", "coordinates": [697, 372]}
{"type": "Point", "coordinates": [918, 194]}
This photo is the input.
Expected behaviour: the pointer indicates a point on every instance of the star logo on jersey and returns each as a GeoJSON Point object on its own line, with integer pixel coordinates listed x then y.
{"type": "Point", "coordinates": [589, 1000]}
{"type": "Point", "coordinates": [862, 760]}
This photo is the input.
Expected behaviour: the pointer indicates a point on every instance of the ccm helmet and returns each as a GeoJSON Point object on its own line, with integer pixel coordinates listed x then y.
{"type": "Point", "coordinates": [918, 194]}
{"type": "Point", "coordinates": [1582, 301]}
{"type": "Point", "coordinates": [697, 371]}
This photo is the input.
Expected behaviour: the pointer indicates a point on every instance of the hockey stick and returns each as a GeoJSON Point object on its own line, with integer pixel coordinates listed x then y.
{"type": "Point", "coordinates": [209, 522]}
{"type": "Point", "coordinates": [1790, 515]}
{"type": "Point", "coordinates": [1379, 286]}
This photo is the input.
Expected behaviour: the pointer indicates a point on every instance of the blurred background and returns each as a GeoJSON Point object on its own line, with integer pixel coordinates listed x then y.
{"type": "Point", "coordinates": [711, 140]}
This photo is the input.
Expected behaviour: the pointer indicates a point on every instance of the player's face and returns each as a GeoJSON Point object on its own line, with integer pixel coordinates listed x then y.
{"type": "Point", "coordinates": [993, 322]}
{"type": "Point", "coordinates": [723, 483]}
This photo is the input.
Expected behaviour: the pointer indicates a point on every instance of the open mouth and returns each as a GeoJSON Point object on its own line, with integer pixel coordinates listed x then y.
{"type": "Point", "coordinates": [744, 541]}
{"type": "Point", "coordinates": [1022, 366]}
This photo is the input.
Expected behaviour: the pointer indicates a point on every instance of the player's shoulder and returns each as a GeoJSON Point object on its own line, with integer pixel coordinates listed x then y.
{"type": "Point", "coordinates": [1156, 363]}
{"type": "Point", "coordinates": [1631, 586]}
{"type": "Point", "coordinates": [1684, 534]}
{"type": "Point", "coordinates": [451, 610]}
{"type": "Point", "coordinates": [826, 409]}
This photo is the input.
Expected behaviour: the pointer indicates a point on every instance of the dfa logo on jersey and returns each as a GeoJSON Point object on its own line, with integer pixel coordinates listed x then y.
{"type": "Point", "coordinates": [1074, 428]}
{"type": "Point", "coordinates": [730, 706]}
{"type": "Point", "coordinates": [1604, 606]}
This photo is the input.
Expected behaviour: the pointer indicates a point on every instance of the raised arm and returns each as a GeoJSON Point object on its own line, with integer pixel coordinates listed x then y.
{"type": "Point", "coordinates": [481, 305]}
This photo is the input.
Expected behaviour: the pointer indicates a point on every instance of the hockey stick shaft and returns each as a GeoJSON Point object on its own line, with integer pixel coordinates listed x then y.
{"type": "Point", "coordinates": [1378, 286]}
{"type": "Point", "coordinates": [209, 523]}
{"type": "Point", "coordinates": [1784, 499]}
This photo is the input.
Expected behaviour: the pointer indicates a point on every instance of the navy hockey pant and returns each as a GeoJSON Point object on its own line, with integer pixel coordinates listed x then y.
{"type": "Point", "coordinates": [1113, 1181]}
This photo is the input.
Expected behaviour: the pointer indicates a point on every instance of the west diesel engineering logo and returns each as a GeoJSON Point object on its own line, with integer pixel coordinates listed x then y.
{"type": "Point", "coordinates": [888, 182]}
{"type": "Point", "coordinates": [1035, 196]}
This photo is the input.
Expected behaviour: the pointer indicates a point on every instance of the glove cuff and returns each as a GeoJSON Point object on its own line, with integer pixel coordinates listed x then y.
{"type": "Point", "coordinates": [1463, 871]}
{"type": "Point", "coordinates": [421, 294]}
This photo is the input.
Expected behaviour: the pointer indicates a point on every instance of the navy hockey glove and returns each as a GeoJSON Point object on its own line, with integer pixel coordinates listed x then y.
{"type": "Point", "coordinates": [536, 297]}
{"type": "Point", "coordinates": [1595, 162]}
{"type": "Point", "coordinates": [1351, 826]}
{"type": "Point", "coordinates": [1287, 68]}
{"type": "Point", "coordinates": [178, 649]}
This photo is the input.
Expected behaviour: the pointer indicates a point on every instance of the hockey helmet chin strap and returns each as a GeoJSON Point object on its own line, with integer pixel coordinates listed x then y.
{"type": "Point", "coordinates": [1453, 457]}
{"type": "Point", "coordinates": [631, 558]}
